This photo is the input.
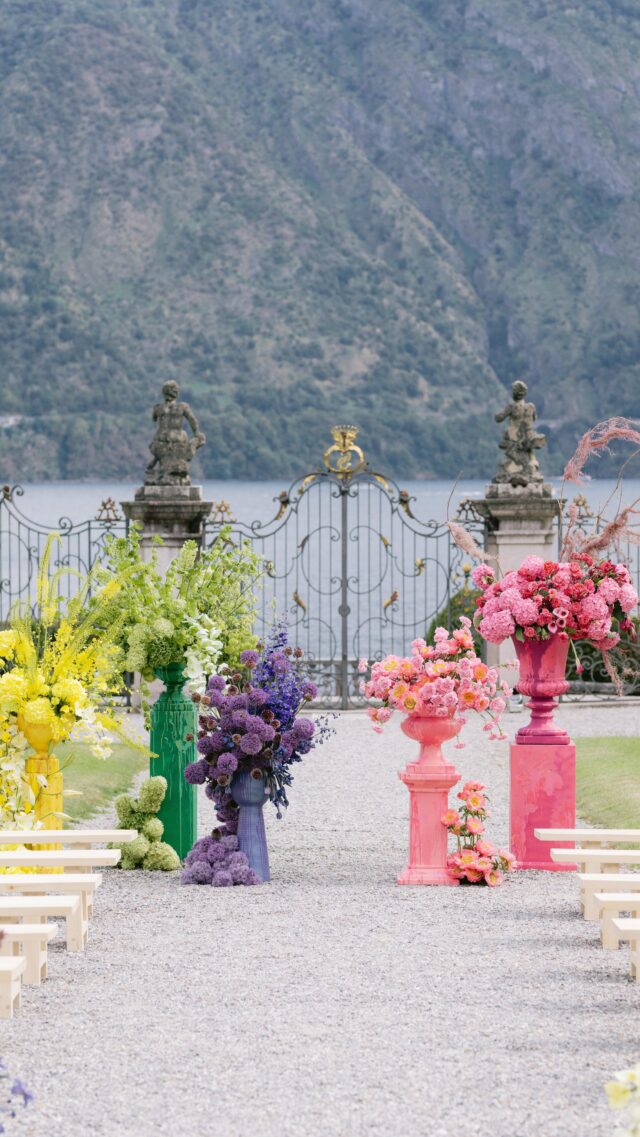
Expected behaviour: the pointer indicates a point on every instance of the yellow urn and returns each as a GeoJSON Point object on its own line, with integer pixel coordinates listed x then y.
{"type": "Point", "coordinates": [48, 806]}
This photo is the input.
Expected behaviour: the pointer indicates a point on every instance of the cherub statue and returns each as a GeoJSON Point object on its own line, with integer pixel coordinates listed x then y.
{"type": "Point", "coordinates": [519, 467]}
{"type": "Point", "coordinates": [171, 447]}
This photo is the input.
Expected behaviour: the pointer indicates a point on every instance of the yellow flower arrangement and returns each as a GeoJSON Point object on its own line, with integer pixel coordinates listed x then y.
{"type": "Point", "coordinates": [57, 673]}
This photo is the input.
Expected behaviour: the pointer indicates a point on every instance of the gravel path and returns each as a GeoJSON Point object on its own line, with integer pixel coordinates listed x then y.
{"type": "Point", "coordinates": [333, 1003]}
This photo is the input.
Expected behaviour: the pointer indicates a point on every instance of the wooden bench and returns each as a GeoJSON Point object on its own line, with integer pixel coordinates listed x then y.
{"type": "Point", "coordinates": [590, 883]}
{"type": "Point", "coordinates": [80, 838]}
{"type": "Point", "coordinates": [12, 969]}
{"type": "Point", "coordinates": [596, 860]}
{"type": "Point", "coordinates": [39, 908]}
{"type": "Point", "coordinates": [611, 906]}
{"type": "Point", "coordinates": [82, 860]}
{"type": "Point", "coordinates": [77, 884]}
{"type": "Point", "coordinates": [628, 929]}
{"type": "Point", "coordinates": [29, 940]}
{"type": "Point", "coordinates": [588, 838]}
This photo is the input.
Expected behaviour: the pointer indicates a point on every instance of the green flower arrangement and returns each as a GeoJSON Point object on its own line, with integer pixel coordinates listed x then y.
{"type": "Point", "coordinates": [199, 613]}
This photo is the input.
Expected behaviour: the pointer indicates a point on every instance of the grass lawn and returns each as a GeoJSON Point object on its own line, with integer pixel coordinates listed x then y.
{"type": "Point", "coordinates": [608, 772]}
{"type": "Point", "coordinates": [98, 779]}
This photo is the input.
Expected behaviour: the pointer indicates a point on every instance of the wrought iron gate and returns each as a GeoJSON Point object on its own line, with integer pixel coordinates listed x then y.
{"type": "Point", "coordinates": [350, 566]}
{"type": "Point", "coordinates": [22, 544]}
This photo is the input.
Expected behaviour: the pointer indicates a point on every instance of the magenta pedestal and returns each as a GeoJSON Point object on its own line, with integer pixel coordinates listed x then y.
{"type": "Point", "coordinates": [543, 795]}
{"type": "Point", "coordinates": [543, 758]}
{"type": "Point", "coordinates": [428, 781]}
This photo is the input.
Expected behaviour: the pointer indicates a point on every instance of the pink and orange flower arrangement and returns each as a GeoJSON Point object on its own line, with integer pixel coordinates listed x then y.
{"type": "Point", "coordinates": [476, 860]}
{"type": "Point", "coordinates": [445, 679]}
{"type": "Point", "coordinates": [580, 599]}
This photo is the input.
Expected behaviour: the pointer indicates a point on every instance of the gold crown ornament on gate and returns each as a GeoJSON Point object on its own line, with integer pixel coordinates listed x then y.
{"type": "Point", "coordinates": [344, 458]}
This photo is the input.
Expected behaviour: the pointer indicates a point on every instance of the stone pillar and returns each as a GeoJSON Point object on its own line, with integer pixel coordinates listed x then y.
{"type": "Point", "coordinates": [519, 522]}
{"type": "Point", "coordinates": [174, 513]}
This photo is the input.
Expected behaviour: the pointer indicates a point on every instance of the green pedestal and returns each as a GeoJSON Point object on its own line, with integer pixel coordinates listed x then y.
{"type": "Point", "coordinates": [172, 718]}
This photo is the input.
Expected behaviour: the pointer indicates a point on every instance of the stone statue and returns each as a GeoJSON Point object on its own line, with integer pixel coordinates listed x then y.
{"type": "Point", "coordinates": [519, 467]}
{"type": "Point", "coordinates": [171, 447]}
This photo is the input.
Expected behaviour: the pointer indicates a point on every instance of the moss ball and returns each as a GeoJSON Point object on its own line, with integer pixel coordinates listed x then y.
{"type": "Point", "coordinates": [135, 852]}
{"type": "Point", "coordinates": [152, 794]}
{"type": "Point", "coordinates": [153, 829]}
{"type": "Point", "coordinates": [161, 857]}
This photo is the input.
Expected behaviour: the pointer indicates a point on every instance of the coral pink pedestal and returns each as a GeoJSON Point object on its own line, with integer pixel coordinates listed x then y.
{"type": "Point", "coordinates": [428, 781]}
{"type": "Point", "coordinates": [543, 794]}
{"type": "Point", "coordinates": [543, 758]}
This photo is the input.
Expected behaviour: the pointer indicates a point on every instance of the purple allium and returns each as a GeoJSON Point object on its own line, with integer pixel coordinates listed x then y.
{"type": "Point", "coordinates": [227, 764]}
{"type": "Point", "coordinates": [210, 791]}
{"type": "Point", "coordinates": [303, 728]}
{"type": "Point", "coordinates": [196, 772]}
{"type": "Point", "coordinates": [309, 690]}
{"type": "Point", "coordinates": [250, 658]}
{"type": "Point", "coordinates": [258, 697]}
{"type": "Point", "coordinates": [230, 842]}
{"type": "Point", "coordinates": [187, 875]}
{"type": "Point", "coordinates": [222, 879]}
{"type": "Point", "coordinates": [251, 744]}
{"type": "Point", "coordinates": [240, 874]}
{"type": "Point", "coordinates": [217, 853]}
{"type": "Point", "coordinates": [238, 859]}
{"type": "Point", "coordinates": [216, 683]}
{"type": "Point", "coordinates": [237, 703]}
{"type": "Point", "coordinates": [253, 878]}
{"type": "Point", "coordinates": [240, 719]}
{"type": "Point", "coordinates": [201, 872]}
{"type": "Point", "coordinates": [280, 662]}
{"type": "Point", "coordinates": [205, 745]}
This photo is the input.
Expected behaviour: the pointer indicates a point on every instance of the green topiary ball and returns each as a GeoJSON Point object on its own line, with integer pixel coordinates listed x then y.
{"type": "Point", "coordinates": [161, 857]}
{"type": "Point", "coordinates": [152, 794]}
{"type": "Point", "coordinates": [135, 852]}
{"type": "Point", "coordinates": [153, 829]}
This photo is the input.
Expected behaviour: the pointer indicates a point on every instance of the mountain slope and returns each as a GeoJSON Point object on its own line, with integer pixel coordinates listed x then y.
{"type": "Point", "coordinates": [360, 210]}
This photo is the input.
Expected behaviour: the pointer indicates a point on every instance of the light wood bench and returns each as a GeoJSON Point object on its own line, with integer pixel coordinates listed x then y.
{"type": "Point", "coordinates": [81, 860]}
{"type": "Point", "coordinates": [611, 906]}
{"type": "Point", "coordinates": [628, 929]}
{"type": "Point", "coordinates": [29, 940]}
{"type": "Point", "coordinates": [12, 969]}
{"type": "Point", "coordinates": [589, 838]}
{"type": "Point", "coordinates": [590, 883]}
{"type": "Point", "coordinates": [596, 860]}
{"type": "Point", "coordinates": [83, 885]}
{"type": "Point", "coordinates": [40, 908]}
{"type": "Point", "coordinates": [80, 838]}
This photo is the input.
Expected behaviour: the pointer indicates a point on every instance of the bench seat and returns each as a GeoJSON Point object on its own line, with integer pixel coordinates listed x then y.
{"type": "Point", "coordinates": [82, 860]}
{"type": "Point", "coordinates": [83, 885]}
{"type": "Point", "coordinates": [39, 909]}
{"type": "Point", "coordinates": [588, 838]}
{"type": "Point", "coordinates": [611, 906]}
{"type": "Point", "coordinates": [80, 838]}
{"type": "Point", "coordinates": [596, 860]}
{"type": "Point", "coordinates": [592, 882]}
{"type": "Point", "coordinates": [12, 968]}
{"type": "Point", "coordinates": [29, 940]}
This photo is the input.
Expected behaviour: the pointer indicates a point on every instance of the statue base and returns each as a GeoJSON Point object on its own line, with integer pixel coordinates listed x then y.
{"type": "Point", "coordinates": [176, 513]}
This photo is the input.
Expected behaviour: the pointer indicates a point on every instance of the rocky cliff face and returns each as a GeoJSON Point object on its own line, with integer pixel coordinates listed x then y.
{"type": "Point", "coordinates": [375, 210]}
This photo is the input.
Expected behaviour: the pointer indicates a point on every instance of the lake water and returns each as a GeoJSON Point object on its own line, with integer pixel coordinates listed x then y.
{"type": "Point", "coordinates": [46, 503]}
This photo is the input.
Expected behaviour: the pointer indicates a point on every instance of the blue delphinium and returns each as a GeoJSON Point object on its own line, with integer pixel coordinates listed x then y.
{"type": "Point", "coordinates": [250, 720]}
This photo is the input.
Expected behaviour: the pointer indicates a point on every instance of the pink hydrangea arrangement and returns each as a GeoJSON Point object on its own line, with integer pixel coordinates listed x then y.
{"type": "Point", "coordinates": [476, 860]}
{"type": "Point", "coordinates": [580, 599]}
{"type": "Point", "coordinates": [443, 679]}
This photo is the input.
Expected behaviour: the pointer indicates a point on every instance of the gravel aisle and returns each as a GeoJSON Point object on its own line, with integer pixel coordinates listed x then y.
{"type": "Point", "coordinates": [333, 1003]}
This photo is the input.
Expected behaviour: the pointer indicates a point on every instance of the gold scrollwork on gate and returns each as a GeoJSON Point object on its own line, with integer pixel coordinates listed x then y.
{"type": "Point", "coordinates": [344, 458]}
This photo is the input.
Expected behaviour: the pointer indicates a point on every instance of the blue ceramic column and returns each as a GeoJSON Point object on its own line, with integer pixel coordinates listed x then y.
{"type": "Point", "coordinates": [250, 794]}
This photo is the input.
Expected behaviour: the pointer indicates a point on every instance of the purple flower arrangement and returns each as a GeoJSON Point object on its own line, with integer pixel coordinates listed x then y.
{"type": "Point", "coordinates": [249, 721]}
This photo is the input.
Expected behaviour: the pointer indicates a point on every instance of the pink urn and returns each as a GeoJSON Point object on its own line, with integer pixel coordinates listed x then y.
{"type": "Point", "coordinates": [428, 780]}
{"type": "Point", "coordinates": [542, 676]}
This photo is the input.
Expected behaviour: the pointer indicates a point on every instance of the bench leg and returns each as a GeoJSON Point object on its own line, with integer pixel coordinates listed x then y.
{"type": "Point", "coordinates": [608, 934]}
{"type": "Point", "coordinates": [33, 970]}
{"type": "Point", "coordinates": [7, 997]}
{"type": "Point", "coordinates": [76, 934]}
{"type": "Point", "coordinates": [591, 909]}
